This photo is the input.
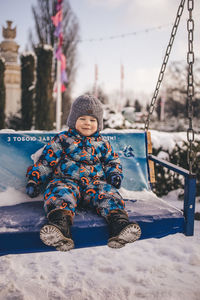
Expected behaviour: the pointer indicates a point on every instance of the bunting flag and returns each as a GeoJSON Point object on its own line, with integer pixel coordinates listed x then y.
{"type": "Point", "coordinates": [57, 22]}
{"type": "Point", "coordinates": [57, 19]}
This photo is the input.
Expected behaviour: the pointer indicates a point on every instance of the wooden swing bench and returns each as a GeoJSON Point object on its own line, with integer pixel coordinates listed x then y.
{"type": "Point", "coordinates": [20, 223]}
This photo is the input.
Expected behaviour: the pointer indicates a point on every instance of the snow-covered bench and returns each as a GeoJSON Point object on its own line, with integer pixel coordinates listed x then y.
{"type": "Point", "coordinates": [22, 217]}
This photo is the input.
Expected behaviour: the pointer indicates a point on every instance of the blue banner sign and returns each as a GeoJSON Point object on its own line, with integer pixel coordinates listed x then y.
{"type": "Point", "coordinates": [17, 148]}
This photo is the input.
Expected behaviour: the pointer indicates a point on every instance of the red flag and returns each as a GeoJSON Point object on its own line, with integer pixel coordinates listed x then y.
{"type": "Point", "coordinates": [63, 62]}
{"type": "Point", "coordinates": [57, 18]}
{"type": "Point", "coordinates": [63, 88]}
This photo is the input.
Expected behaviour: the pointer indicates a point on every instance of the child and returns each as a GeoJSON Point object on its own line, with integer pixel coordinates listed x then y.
{"type": "Point", "coordinates": [80, 166]}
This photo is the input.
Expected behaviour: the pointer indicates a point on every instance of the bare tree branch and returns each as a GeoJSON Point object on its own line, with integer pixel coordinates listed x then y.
{"type": "Point", "coordinates": [44, 34]}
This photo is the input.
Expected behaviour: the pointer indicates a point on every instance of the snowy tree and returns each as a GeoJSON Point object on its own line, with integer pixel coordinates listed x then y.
{"type": "Point", "coordinates": [44, 34]}
{"type": "Point", "coordinates": [175, 85]}
{"type": "Point", "coordinates": [44, 114]}
{"type": "Point", "coordinates": [137, 106]}
{"type": "Point", "coordinates": [2, 94]}
{"type": "Point", "coordinates": [27, 86]}
{"type": "Point", "coordinates": [127, 103]}
{"type": "Point", "coordinates": [158, 108]}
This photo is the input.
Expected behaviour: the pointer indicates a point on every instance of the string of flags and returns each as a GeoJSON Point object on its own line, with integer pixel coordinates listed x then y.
{"type": "Point", "coordinates": [124, 35]}
{"type": "Point", "coordinates": [57, 22]}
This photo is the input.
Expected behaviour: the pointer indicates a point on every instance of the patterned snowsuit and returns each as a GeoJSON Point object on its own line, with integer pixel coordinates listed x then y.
{"type": "Point", "coordinates": [76, 169]}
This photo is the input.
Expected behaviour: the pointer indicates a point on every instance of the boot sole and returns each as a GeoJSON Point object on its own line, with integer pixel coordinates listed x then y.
{"type": "Point", "coordinates": [51, 236]}
{"type": "Point", "coordinates": [129, 234]}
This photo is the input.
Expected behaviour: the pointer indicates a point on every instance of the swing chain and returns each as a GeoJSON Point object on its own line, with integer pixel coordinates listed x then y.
{"type": "Point", "coordinates": [190, 87]}
{"type": "Point", "coordinates": [164, 64]}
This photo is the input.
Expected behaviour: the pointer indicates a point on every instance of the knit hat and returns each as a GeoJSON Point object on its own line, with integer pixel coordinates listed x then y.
{"type": "Point", "coordinates": [86, 105]}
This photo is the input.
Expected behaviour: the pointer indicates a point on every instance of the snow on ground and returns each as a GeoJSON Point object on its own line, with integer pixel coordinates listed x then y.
{"type": "Point", "coordinates": [167, 268]}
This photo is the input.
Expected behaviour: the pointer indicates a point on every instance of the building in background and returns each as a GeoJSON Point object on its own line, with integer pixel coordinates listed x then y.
{"type": "Point", "coordinates": [9, 51]}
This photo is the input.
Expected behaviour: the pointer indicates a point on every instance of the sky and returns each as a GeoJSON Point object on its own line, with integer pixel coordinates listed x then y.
{"type": "Point", "coordinates": [141, 54]}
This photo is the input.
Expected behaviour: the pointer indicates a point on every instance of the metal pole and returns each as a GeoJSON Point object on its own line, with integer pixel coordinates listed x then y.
{"type": "Point", "coordinates": [95, 80]}
{"type": "Point", "coordinates": [189, 203]}
{"type": "Point", "coordinates": [121, 100]}
{"type": "Point", "coordinates": [59, 97]}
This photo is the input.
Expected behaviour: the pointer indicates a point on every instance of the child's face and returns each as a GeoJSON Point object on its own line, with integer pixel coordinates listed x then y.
{"type": "Point", "coordinates": [86, 125]}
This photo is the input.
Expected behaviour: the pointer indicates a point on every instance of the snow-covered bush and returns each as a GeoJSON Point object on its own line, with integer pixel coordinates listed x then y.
{"type": "Point", "coordinates": [129, 113]}
{"type": "Point", "coordinates": [113, 119]}
{"type": "Point", "coordinates": [27, 89]}
{"type": "Point", "coordinates": [126, 119]}
{"type": "Point", "coordinates": [167, 180]}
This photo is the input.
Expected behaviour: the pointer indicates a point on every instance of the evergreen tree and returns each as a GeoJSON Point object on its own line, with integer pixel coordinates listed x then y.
{"type": "Point", "coordinates": [147, 108]}
{"type": "Point", "coordinates": [196, 106]}
{"type": "Point", "coordinates": [27, 86]}
{"type": "Point", "coordinates": [158, 108]}
{"type": "Point", "coordinates": [44, 114]}
{"type": "Point", "coordinates": [174, 108]}
{"type": "Point", "coordinates": [2, 94]}
{"type": "Point", "coordinates": [127, 104]}
{"type": "Point", "coordinates": [137, 106]}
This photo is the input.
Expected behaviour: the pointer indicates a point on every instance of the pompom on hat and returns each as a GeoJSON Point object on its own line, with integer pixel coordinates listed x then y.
{"type": "Point", "coordinates": [86, 105]}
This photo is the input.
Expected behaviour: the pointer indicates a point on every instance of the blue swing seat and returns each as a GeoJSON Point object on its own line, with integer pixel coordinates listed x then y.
{"type": "Point", "coordinates": [22, 219]}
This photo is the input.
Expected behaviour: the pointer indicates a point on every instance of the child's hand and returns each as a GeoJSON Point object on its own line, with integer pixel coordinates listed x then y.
{"type": "Point", "coordinates": [115, 180]}
{"type": "Point", "coordinates": [32, 190]}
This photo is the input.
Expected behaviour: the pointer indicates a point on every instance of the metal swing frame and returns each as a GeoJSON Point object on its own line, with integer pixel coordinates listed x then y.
{"type": "Point", "coordinates": [189, 192]}
{"type": "Point", "coordinates": [190, 177]}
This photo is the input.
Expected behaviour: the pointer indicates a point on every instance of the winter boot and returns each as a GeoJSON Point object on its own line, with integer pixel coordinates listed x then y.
{"type": "Point", "coordinates": [121, 230]}
{"type": "Point", "coordinates": [57, 232]}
